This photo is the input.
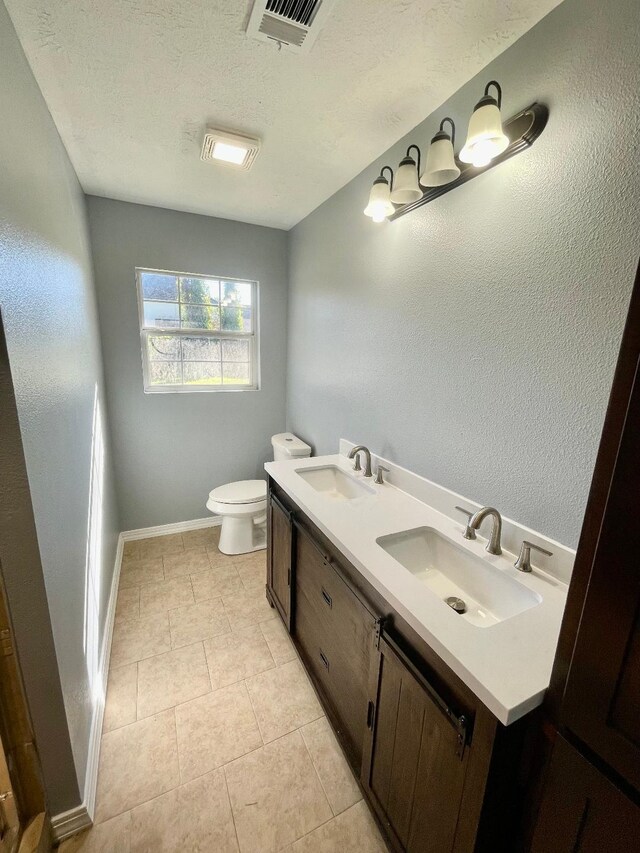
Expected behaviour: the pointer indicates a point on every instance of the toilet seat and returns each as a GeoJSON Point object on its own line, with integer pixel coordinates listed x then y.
{"type": "Point", "coordinates": [240, 493]}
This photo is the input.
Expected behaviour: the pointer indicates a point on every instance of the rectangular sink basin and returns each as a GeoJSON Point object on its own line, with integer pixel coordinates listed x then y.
{"type": "Point", "coordinates": [449, 570]}
{"type": "Point", "coordinates": [332, 482]}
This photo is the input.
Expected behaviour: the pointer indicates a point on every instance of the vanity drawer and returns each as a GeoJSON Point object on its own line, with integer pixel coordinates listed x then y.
{"type": "Point", "coordinates": [343, 687]}
{"type": "Point", "coordinates": [340, 613]}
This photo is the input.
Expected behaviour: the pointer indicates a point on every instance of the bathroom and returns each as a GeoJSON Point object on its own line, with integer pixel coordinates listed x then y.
{"type": "Point", "coordinates": [203, 611]}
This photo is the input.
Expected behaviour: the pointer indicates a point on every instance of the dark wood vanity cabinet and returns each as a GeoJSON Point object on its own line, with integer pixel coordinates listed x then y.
{"type": "Point", "coordinates": [436, 767]}
{"type": "Point", "coordinates": [279, 558]}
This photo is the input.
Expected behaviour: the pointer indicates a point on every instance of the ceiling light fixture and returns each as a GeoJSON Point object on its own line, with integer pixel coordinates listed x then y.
{"type": "Point", "coordinates": [441, 166]}
{"type": "Point", "coordinates": [485, 137]}
{"type": "Point", "coordinates": [489, 143]}
{"type": "Point", "coordinates": [231, 149]}
{"type": "Point", "coordinates": [380, 206]}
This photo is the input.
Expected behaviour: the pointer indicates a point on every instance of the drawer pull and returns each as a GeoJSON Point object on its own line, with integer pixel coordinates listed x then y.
{"type": "Point", "coordinates": [324, 659]}
{"type": "Point", "coordinates": [370, 711]}
{"type": "Point", "coordinates": [327, 597]}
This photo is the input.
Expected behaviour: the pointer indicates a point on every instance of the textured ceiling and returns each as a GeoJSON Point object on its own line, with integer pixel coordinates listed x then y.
{"type": "Point", "coordinates": [131, 85]}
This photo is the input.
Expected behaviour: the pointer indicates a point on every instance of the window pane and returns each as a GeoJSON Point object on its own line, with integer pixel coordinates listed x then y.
{"type": "Point", "coordinates": [164, 373]}
{"type": "Point", "coordinates": [159, 286]}
{"type": "Point", "coordinates": [161, 314]}
{"type": "Point", "coordinates": [236, 374]}
{"type": "Point", "coordinates": [235, 350]}
{"type": "Point", "coordinates": [200, 349]}
{"type": "Point", "coordinates": [202, 373]}
{"type": "Point", "coordinates": [163, 348]}
{"type": "Point", "coordinates": [199, 317]}
{"type": "Point", "coordinates": [200, 290]}
{"type": "Point", "coordinates": [236, 293]}
{"type": "Point", "coordinates": [236, 319]}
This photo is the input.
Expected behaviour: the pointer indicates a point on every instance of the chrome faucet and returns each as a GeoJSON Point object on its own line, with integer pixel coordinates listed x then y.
{"type": "Point", "coordinates": [353, 454]}
{"type": "Point", "coordinates": [493, 545]}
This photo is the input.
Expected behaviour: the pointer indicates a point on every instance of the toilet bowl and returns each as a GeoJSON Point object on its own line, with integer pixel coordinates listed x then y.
{"type": "Point", "coordinates": [243, 505]}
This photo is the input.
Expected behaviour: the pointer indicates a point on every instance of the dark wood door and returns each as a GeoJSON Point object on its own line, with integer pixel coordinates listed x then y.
{"type": "Point", "coordinates": [582, 811]}
{"type": "Point", "coordinates": [601, 703]}
{"type": "Point", "coordinates": [415, 757]}
{"type": "Point", "coordinates": [279, 580]}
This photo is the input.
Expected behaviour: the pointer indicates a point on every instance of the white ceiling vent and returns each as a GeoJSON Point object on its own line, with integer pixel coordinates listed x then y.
{"type": "Point", "coordinates": [293, 24]}
{"type": "Point", "coordinates": [231, 149]}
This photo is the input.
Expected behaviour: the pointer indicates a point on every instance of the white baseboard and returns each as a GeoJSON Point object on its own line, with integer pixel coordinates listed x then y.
{"type": "Point", "coordinates": [75, 820]}
{"type": "Point", "coordinates": [177, 527]}
{"type": "Point", "coordinates": [70, 823]}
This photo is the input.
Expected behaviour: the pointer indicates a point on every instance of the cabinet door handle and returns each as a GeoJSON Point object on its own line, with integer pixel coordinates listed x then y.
{"type": "Point", "coordinates": [288, 577]}
{"type": "Point", "coordinates": [327, 597]}
{"type": "Point", "coordinates": [370, 712]}
{"type": "Point", "coordinates": [324, 659]}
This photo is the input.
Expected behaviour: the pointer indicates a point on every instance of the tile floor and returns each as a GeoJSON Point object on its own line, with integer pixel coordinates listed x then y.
{"type": "Point", "coordinates": [214, 740]}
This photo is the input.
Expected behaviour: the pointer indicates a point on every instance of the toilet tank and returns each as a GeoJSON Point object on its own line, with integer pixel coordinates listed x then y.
{"type": "Point", "coordinates": [286, 445]}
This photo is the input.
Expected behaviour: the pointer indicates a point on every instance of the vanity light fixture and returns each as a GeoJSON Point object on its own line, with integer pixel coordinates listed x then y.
{"type": "Point", "coordinates": [441, 166]}
{"type": "Point", "coordinates": [380, 206]}
{"type": "Point", "coordinates": [485, 137]}
{"type": "Point", "coordinates": [407, 188]}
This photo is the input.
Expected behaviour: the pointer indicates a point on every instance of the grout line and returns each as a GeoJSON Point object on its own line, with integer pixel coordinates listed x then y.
{"type": "Point", "coordinates": [313, 764]}
{"type": "Point", "coordinates": [233, 817]}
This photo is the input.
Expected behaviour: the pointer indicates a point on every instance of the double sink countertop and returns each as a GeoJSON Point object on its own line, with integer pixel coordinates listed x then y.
{"type": "Point", "coordinates": [508, 664]}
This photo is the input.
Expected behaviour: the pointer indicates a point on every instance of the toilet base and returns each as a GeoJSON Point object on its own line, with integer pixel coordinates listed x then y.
{"type": "Point", "coordinates": [239, 535]}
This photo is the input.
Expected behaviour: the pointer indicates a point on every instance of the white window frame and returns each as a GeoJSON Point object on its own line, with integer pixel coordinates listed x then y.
{"type": "Point", "coordinates": [253, 337]}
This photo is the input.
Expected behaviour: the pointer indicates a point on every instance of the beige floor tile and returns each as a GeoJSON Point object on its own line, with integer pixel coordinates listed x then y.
{"type": "Point", "coordinates": [112, 836]}
{"type": "Point", "coordinates": [186, 563]}
{"type": "Point", "coordinates": [171, 678]}
{"type": "Point", "coordinates": [257, 559]}
{"type": "Point", "coordinates": [158, 546]}
{"type": "Point", "coordinates": [253, 575]}
{"type": "Point", "coordinates": [238, 655]}
{"type": "Point", "coordinates": [137, 763]}
{"type": "Point", "coordinates": [216, 581]}
{"type": "Point", "coordinates": [353, 831]}
{"type": "Point", "coordinates": [131, 549]}
{"type": "Point", "coordinates": [135, 639]}
{"type": "Point", "coordinates": [197, 622]}
{"type": "Point", "coordinates": [205, 536]}
{"type": "Point", "coordinates": [278, 640]}
{"type": "Point", "coordinates": [276, 796]}
{"type": "Point", "coordinates": [195, 818]}
{"type": "Point", "coordinates": [137, 572]}
{"type": "Point", "coordinates": [120, 705]}
{"type": "Point", "coordinates": [217, 558]}
{"type": "Point", "coordinates": [164, 596]}
{"type": "Point", "coordinates": [247, 607]}
{"type": "Point", "coordinates": [283, 700]}
{"type": "Point", "coordinates": [128, 603]}
{"type": "Point", "coordinates": [335, 774]}
{"type": "Point", "coordinates": [214, 729]}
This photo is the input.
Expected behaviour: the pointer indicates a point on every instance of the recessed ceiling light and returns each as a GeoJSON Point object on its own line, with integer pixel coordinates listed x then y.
{"type": "Point", "coordinates": [231, 149]}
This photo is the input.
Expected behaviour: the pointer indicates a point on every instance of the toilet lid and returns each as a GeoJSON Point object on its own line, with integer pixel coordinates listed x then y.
{"type": "Point", "coordinates": [242, 492]}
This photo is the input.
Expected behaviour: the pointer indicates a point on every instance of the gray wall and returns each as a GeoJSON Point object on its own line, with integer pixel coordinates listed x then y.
{"type": "Point", "coordinates": [172, 449]}
{"type": "Point", "coordinates": [474, 340]}
{"type": "Point", "coordinates": [49, 314]}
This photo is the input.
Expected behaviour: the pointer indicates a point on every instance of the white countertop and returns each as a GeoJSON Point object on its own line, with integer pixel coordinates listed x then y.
{"type": "Point", "coordinates": [507, 665]}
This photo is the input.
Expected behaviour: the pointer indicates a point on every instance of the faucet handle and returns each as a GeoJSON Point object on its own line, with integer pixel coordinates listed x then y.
{"type": "Point", "coordinates": [523, 563]}
{"type": "Point", "coordinates": [469, 532]}
{"type": "Point", "coordinates": [379, 478]}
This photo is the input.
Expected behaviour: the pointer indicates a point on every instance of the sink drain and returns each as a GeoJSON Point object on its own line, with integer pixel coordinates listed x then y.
{"type": "Point", "coordinates": [456, 604]}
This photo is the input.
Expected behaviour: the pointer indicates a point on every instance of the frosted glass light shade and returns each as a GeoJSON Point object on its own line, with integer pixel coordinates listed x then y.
{"type": "Point", "coordinates": [379, 206]}
{"type": "Point", "coordinates": [441, 166]}
{"type": "Point", "coordinates": [485, 137]}
{"type": "Point", "coordinates": [405, 186]}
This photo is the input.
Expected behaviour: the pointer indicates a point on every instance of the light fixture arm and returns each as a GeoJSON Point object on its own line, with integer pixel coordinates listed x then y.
{"type": "Point", "coordinates": [417, 158]}
{"type": "Point", "coordinates": [390, 170]}
{"type": "Point", "coordinates": [498, 89]}
{"type": "Point", "coordinates": [453, 128]}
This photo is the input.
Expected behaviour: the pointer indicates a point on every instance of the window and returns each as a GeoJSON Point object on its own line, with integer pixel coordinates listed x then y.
{"type": "Point", "coordinates": [198, 333]}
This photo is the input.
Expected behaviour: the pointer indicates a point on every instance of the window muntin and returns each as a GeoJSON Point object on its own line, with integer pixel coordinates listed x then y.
{"type": "Point", "coordinates": [199, 333]}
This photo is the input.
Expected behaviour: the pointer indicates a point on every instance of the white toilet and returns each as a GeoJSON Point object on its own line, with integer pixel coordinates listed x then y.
{"type": "Point", "coordinates": [243, 505]}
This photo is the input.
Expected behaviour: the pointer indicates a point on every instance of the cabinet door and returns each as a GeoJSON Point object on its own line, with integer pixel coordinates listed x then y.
{"type": "Point", "coordinates": [582, 811]}
{"type": "Point", "coordinates": [415, 757]}
{"type": "Point", "coordinates": [280, 552]}
{"type": "Point", "coordinates": [602, 697]}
